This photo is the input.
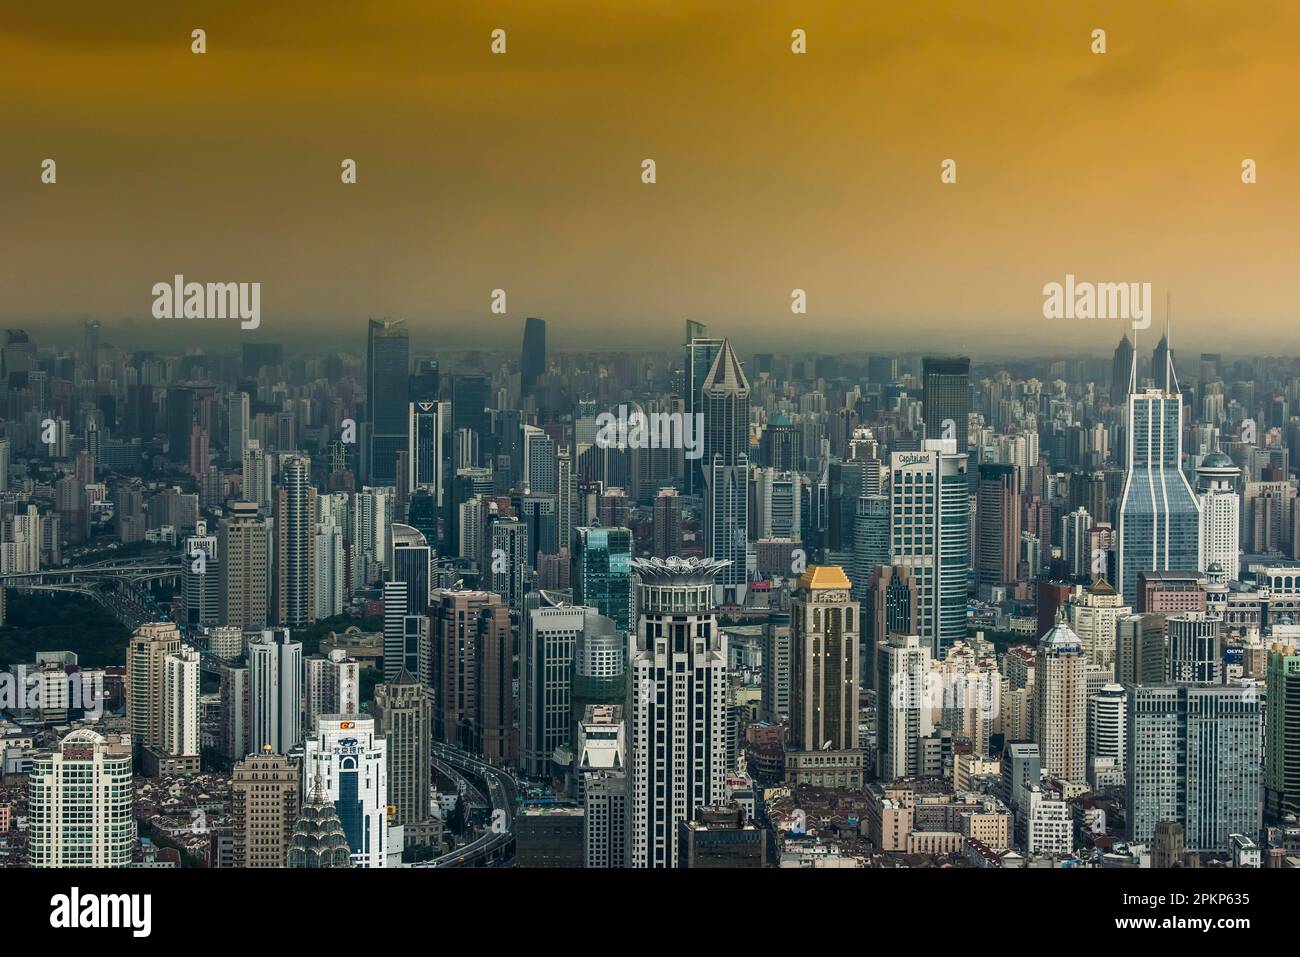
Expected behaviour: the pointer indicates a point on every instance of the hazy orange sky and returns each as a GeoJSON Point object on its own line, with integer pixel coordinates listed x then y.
{"type": "Point", "coordinates": [775, 171]}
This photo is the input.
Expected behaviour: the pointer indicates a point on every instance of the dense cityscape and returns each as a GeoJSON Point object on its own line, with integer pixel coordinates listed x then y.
{"type": "Point", "coordinates": [499, 446]}
{"type": "Point", "coordinates": [704, 607]}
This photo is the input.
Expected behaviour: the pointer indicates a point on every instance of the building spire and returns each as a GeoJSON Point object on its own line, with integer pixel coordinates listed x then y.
{"type": "Point", "coordinates": [1133, 365]}
{"type": "Point", "coordinates": [1171, 377]}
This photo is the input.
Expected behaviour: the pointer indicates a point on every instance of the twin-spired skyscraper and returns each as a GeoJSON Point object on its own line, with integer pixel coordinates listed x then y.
{"type": "Point", "coordinates": [1159, 516]}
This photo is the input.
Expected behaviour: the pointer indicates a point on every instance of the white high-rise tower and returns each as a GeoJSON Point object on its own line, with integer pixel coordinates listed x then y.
{"type": "Point", "coordinates": [930, 534]}
{"type": "Point", "coordinates": [79, 803]}
{"type": "Point", "coordinates": [1218, 483]}
{"type": "Point", "coordinates": [677, 704]}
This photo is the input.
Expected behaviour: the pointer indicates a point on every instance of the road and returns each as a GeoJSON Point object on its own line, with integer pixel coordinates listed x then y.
{"type": "Point", "coordinates": [496, 844]}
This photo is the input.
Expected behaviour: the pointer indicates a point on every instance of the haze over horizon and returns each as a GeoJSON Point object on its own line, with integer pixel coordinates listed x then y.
{"type": "Point", "coordinates": [774, 171]}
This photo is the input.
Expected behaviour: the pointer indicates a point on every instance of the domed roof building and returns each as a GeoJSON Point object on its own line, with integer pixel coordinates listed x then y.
{"type": "Point", "coordinates": [318, 838]}
{"type": "Point", "coordinates": [1061, 703]}
{"type": "Point", "coordinates": [1218, 491]}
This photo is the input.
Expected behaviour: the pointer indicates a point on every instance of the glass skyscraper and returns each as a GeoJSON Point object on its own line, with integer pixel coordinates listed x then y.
{"type": "Point", "coordinates": [469, 399]}
{"type": "Point", "coordinates": [701, 352]}
{"type": "Point", "coordinates": [946, 382]}
{"type": "Point", "coordinates": [532, 361]}
{"type": "Point", "coordinates": [1159, 518]}
{"type": "Point", "coordinates": [724, 403]}
{"type": "Point", "coordinates": [602, 573]}
{"type": "Point", "coordinates": [387, 391]}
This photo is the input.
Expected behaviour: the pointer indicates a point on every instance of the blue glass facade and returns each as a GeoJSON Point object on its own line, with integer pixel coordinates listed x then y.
{"type": "Point", "coordinates": [602, 573]}
{"type": "Point", "coordinates": [351, 813]}
{"type": "Point", "coordinates": [1160, 520]}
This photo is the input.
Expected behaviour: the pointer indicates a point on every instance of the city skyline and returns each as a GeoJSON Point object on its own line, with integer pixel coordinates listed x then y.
{"type": "Point", "coordinates": [680, 436]}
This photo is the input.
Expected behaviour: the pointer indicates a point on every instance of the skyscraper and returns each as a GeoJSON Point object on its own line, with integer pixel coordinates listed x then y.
{"type": "Point", "coordinates": [946, 382]}
{"type": "Point", "coordinates": [903, 713]}
{"type": "Point", "coordinates": [201, 579]}
{"type": "Point", "coordinates": [180, 733]}
{"type": "Point", "coordinates": [1107, 722]}
{"type": "Point", "coordinates": [891, 605]}
{"type": "Point", "coordinates": [469, 399]}
{"type": "Point", "coordinates": [351, 761]}
{"type": "Point", "coordinates": [1093, 613]}
{"type": "Point", "coordinates": [332, 685]}
{"type": "Point", "coordinates": [387, 391]}
{"type": "Point", "coordinates": [930, 535]}
{"type": "Point", "coordinates": [331, 580]}
{"type": "Point", "coordinates": [180, 416]}
{"type": "Point", "coordinates": [1282, 746]}
{"type": "Point", "coordinates": [539, 470]}
{"type": "Point", "coordinates": [79, 803]}
{"type": "Point", "coordinates": [1121, 372]}
{"type": "Point", "coordinates": [1140, 649]}
{"type": "Point", "coordinates": [724, 403]}
{"type": "Point", "coordinates": [146, 676]}
{"type": "Point", "coordinates": [997, 516]}
{"type": "Point", "coordinates": [255, 485]}
{"type": "Point", "coordinates": [701, 352]}
{"type": "Point", "coordinates": [1061, 704]}
{"type": "Point", "coordinates": [777, 500]}
{"type": "Point", "coordinates": [294, 584]}
{"type": "Point", "coordinates": [1074, 543]}
{"type": "Point", "coordinates": [406, 594]}
{"type": "Point", "coordinates": [532, 362]}
{"type": "Point", "coordinates": [599, 666]}
{"type": "Point", "coordinates": [264, 793]}
{"type": "Point", "coordinates": [244, 544]}
{"type": "Point", "coordinates": [234, 708]}
{"type": "Point", "coordinates": [605, 821]}
{"type": "Point", "coordinates": [1218, 491]}
{"type": "Point", "coordinates": [776, 667]}
{"type": "Point", "coordinates": [546, 682]}
{"type": "Point", "coordinates": [472, 672]}
{"type": "Point", "coordinates": [822, 749]}
{"type": "Point", "coordinates": [1195, 648]}
{"type": "Point", "coordinates": [726, 524]}
{"type": "Point", "coordinates": [1159, 518]}
{"type": "Point", "coordinates": [1162, 365]}
{"type": "Point", "coordinates": [275, 692]}
{"type": "Point", "coordinates": [236, 425]}
{"type": "Point", "coordinates": [510, 560]}
{"type": "Point", "coordinates": [426, 427]}
{"type": "Point", "coordinates": [677, 704]}
{"type": "Point", "coordinates": [601, 573]}
{"type": "Point", "coordinates": [870, 541]}
{"type": "Point", "coordinates": [1195, 756]}
{"type": "Point", "coordinates": [667, 523]}
{"type": "Point", "coordinates": [404, 716]}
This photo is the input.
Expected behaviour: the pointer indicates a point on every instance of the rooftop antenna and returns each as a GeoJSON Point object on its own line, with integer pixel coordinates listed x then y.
{"type": "Point", "coordinates": [1171, 377]}
{"type": "Point", "coordinates": [1133, 365]}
